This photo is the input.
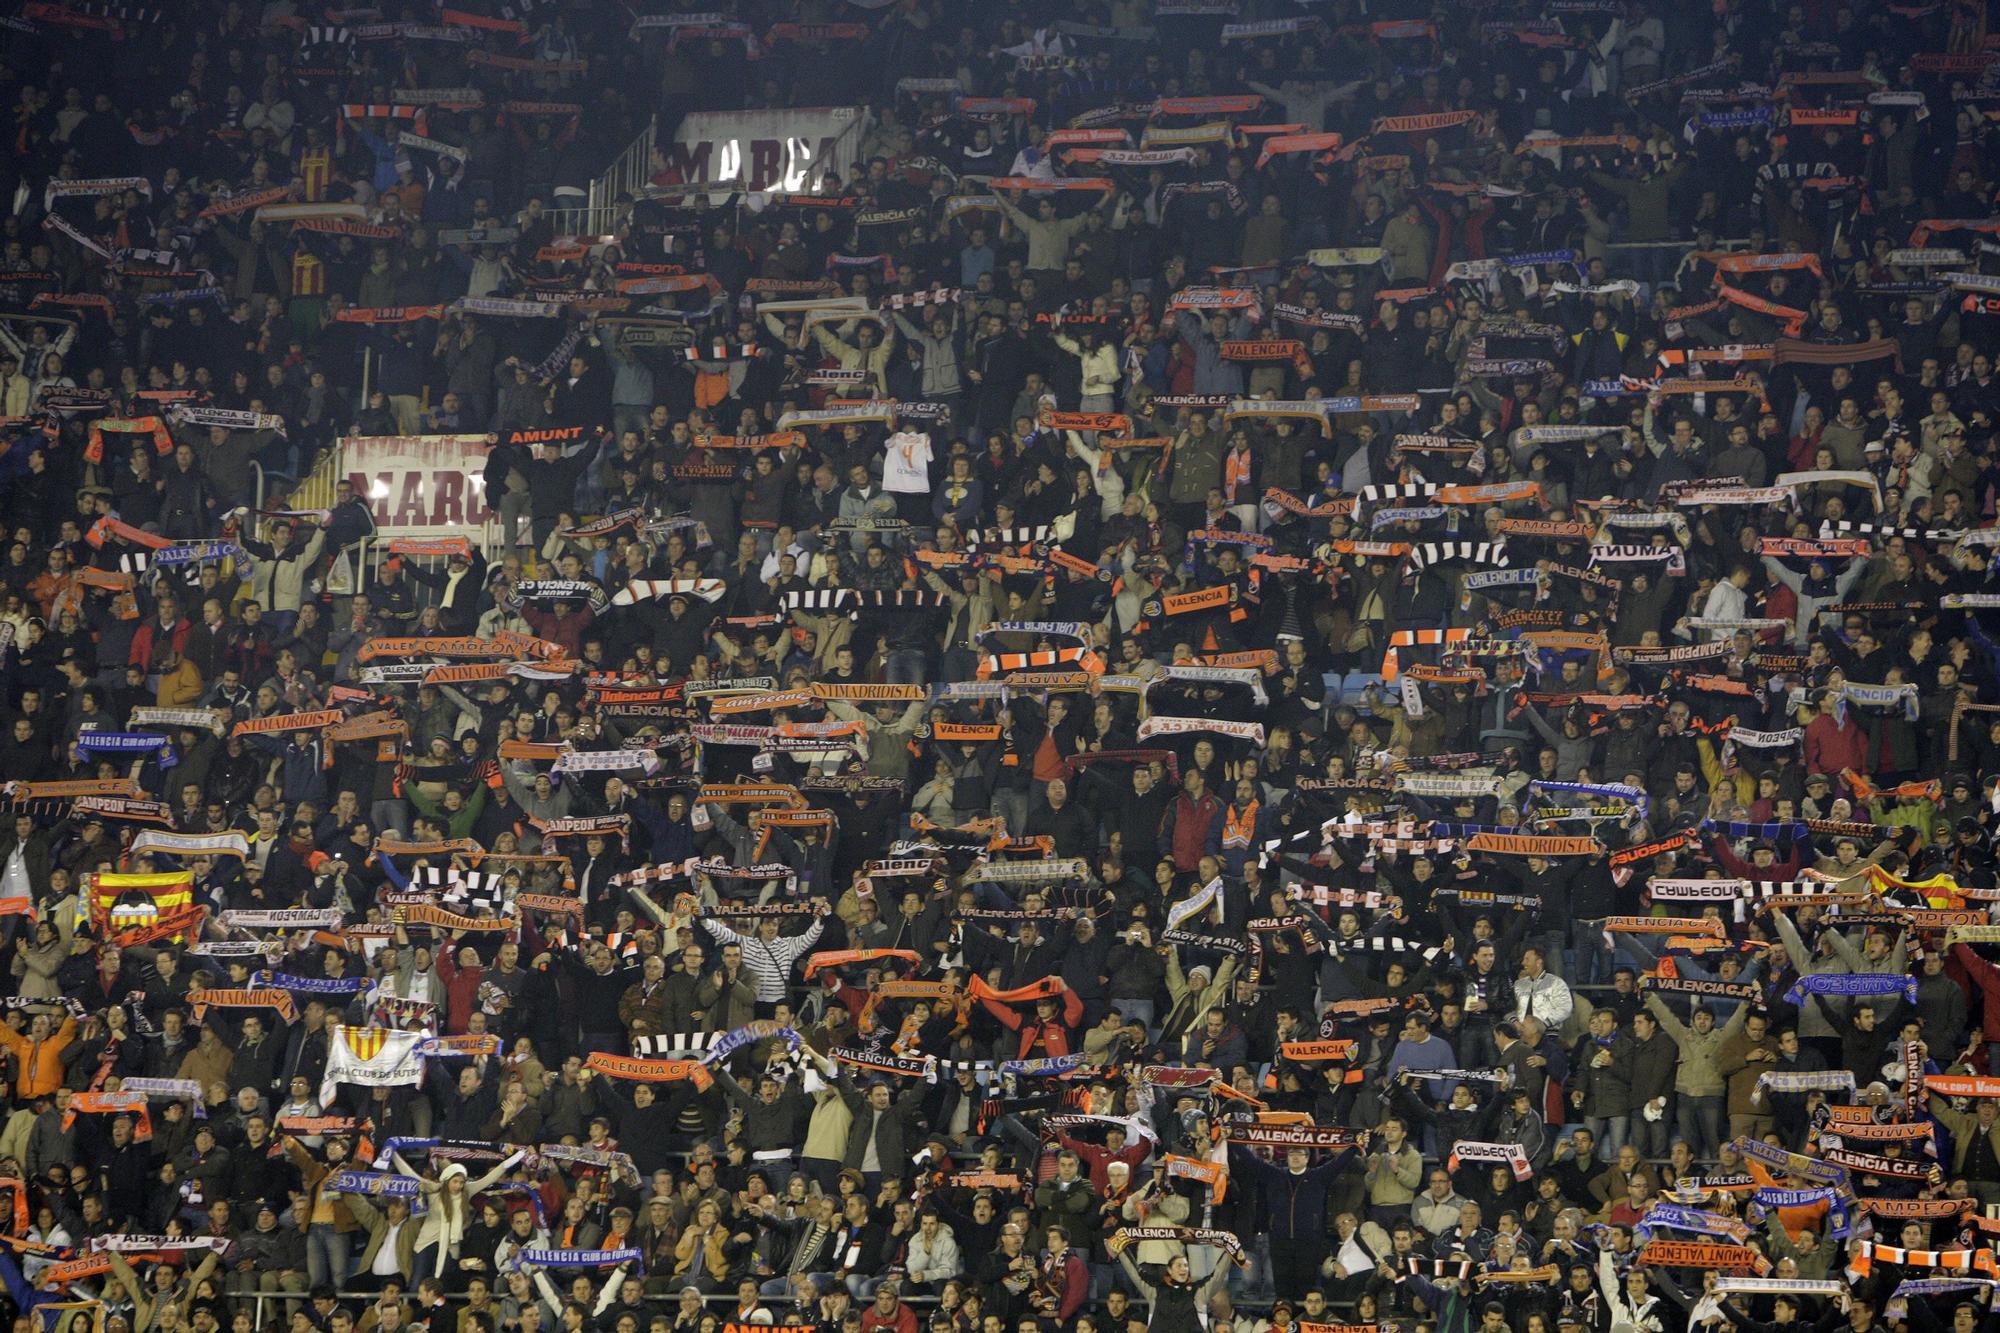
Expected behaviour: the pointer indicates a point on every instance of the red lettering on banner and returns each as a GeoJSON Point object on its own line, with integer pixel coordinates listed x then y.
{"type": "Point", "coordinates": [421, 486]}
{"type": "Point", "coordinates": [767, 163]}
{"type": "Point", "coordinates": [446, 506]}
{"type": "Point", "coordinates": [688, 163]}
{"type": "Point", "coordinates": [758, 164]}
{"type": "Point", "coordinates": [410, 508]}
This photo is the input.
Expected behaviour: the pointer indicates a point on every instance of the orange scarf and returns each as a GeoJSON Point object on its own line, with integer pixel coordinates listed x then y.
{"type": "Point", "coordinates": [1236, 474]}
{"type": "Point", "coordinates": [1239, 829]}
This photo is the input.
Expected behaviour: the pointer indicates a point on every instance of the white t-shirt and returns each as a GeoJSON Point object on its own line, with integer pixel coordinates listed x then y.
{"type": "Point", "coordinates": [906, 464]}
{"type": "Point", "coordinates": [387, 1264]}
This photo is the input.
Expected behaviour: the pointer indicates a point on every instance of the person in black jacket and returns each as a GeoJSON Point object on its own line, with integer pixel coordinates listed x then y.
{"type": "Point", "coordinates": [461, 589]}
{"type": "Point", "coordinates": [645, 1122]}
{"type": "Point", "coordinates": [1072, 829]}
{"type": "Point", "coordinates": [1295, 1206]}
{"type": "Point", "coordinates": [1176, 1300]}
{"type": "Point", "coordinates": [552, 481]}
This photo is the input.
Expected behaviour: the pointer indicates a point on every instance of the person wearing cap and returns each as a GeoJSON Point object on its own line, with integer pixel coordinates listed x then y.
{"type": "Point", "coordinates": [1190, 992]}
{"type": "Point", "coordinates": [269, 1258]}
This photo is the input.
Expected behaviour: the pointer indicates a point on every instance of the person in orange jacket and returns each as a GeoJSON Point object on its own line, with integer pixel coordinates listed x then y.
{"type": "Point", "coordinates": [1045, 1034]}
{"type": "Point", "coordinates": [38, 1053]}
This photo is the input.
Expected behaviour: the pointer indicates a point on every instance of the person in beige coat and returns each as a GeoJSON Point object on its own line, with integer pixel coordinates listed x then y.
{"type": "Point", "coordinates": [860, 345]}
{"type": "Point", "coordinates": [450, 1197]}
{"type": "Point", "coordinates": [36, 961]}
{"type": "Point", "coordinates": [377, 1222]}
{"type": "Point", "coordinates": [1698, 1088]}
{"type": "Point", "coordinates": [1157, 1206]}
{"type": "Point", "coordinates": [826, 1134]}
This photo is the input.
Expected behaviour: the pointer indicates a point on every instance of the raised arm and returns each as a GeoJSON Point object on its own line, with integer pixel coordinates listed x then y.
{"type": "Point", "coordinates": [498, 1173]}
{"type": "Point", "coordinates": [1146, 1288]}
{"type": "Point", "coordinates": [1665, 1016]}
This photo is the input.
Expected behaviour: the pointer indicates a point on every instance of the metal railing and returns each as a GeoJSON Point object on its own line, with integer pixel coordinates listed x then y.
{"type": "Point", "coordinates": [315, 489]}
{"type": "Point", "coordinates": [610, 194]}
{"type": "Point", "coordinates": [651, 1303]}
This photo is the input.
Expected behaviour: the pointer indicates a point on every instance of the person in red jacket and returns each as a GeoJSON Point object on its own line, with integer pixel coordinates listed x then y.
{"type": "Point", "coordinates": [1062, 1281]}
{"type": "Point", "coordinates": [461, 976]}
{"type": "Point", "coordinates": [1044, 1034]}
{"type": "Point", "coordinates": [564, 623]}
{"type": "Point", "coordinates": [1967, 966]}
{"type": "Point", "coordinates": [1763, 862]}
{"type": "Point", "coordinates": [1098, 1157]}
{"type": "Point", "coordinates": [888, 1312]}
{"type": "Point", "coordinates": [1834, 742]}
{"type": "Point", "coordinates": [1186, 825]}
{"type": "Point", "coordinates": [167, 632]}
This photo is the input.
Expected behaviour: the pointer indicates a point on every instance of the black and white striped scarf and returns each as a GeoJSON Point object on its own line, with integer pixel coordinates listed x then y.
{"type": "Point", "coordinates": [1480, 553]}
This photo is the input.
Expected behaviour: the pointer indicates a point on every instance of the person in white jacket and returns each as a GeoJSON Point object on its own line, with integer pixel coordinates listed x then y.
{"type": "Point", "coordinates": [1540, 992]}
{"type": "Point", "coordinates": [1633, 1307]}
{"type": "Point", "coordinates": [1101, 376]}
{"type": "Point", "coordinates": [1104, 473]}
{"type": "Point", "coordinates": [933, 1254]}
{"type": "Point", "coordinates": [449, 1197]}
{"type": "Point", "coordinates": [1727, 600]}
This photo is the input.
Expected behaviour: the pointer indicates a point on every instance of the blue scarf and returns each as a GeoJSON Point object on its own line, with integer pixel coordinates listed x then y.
{"type": "Point", "coordinates": [728, 1043]}
{"type": "Point", "coordinates": [1676, 1218]}
{"type": "Point", "coordinates": [313, 985]}
{"type": "Point", "coordinates": [1503, 578]}
{"type": "Point", "coordinates": [1536, 258]}
{"type": "Point", "coordinates": [1731, 120]}
{"type": "Point", "coordinates": [190, 553]}
{"type": "Point", "coordinates": [128, 742]}
{"type": "Point", "coordinates": [390, 1183]}
{"type": "Point", "coordinates": [577, 1258]}
{"type": "Point", "coordinates": [1853, 984]}
{"type": "Point", "coordinates": [1602, 791]}
{"type": "Point", "coordinates": [1789, 1163]}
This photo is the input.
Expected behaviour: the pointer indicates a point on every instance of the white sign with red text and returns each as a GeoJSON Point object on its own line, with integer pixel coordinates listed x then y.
{"type": "Point", "coordinates": [419, 484]}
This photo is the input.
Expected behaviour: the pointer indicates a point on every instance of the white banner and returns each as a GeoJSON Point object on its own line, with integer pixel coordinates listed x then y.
{"type": "Point", "coordinates": [419, 485]}
{"type": "Point", "coordinates": [192, 844]}
{"type": "Point", "coordinates": [371, 1057]}
{"type": "Point", "coordinates": [788, 150]}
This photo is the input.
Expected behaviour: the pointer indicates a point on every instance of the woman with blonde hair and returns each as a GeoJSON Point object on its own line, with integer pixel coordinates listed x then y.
{"type": "Point", "coordinates": [700, 1261]}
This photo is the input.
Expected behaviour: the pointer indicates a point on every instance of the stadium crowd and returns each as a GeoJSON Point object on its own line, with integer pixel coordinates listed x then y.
{"type": "Point", "coordinates": [1270, 666]}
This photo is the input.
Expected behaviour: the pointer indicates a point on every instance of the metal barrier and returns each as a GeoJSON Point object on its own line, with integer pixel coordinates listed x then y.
{"type": "Point", "coordinates": [651, 1303]}
{"type": "Point", "coordinates": [1722, 242]}
{"type": "Point", "coordinates": [612, 192]}
{"type": "Point", "coordinates": [315, 489]}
